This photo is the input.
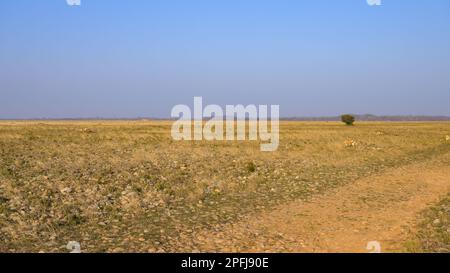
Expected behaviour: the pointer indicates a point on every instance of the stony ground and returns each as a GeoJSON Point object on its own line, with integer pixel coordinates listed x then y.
{"type": "Point", "coordinates": [433, 230]}
{"type": "Point", "coordinates": [381, 208]}
{"type": "Point", "coordinates": [126, 186]}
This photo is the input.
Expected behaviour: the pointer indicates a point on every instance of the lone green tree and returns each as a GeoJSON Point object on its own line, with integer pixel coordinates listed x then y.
{"type": "Point", "coordinates": [348, 119]}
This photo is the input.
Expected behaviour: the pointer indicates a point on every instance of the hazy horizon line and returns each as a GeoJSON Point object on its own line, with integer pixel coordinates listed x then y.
{"type": "Point", "coordinates": [362, 117]}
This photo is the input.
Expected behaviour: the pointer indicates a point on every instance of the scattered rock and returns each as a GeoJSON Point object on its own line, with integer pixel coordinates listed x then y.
{"type": "Point", "coordinates": [350, 143]}
{"type": "Point", "coordinates": [87, 131]}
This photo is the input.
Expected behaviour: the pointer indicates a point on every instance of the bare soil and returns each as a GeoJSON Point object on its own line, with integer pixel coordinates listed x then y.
{"type": "Point", "coordinates": [379, 208]}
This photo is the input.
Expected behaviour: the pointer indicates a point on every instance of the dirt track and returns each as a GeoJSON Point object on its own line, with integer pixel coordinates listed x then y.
{"type": "Point", "coordinates": [380, 208]}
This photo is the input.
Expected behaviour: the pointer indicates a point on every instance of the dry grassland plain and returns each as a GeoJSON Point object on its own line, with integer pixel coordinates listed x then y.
{"type": "Point", "coordinates": [126, 186]}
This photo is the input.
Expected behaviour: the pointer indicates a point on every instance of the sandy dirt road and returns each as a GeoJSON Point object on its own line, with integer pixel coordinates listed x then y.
{"type": "Point", "coordinates": [382, 208]}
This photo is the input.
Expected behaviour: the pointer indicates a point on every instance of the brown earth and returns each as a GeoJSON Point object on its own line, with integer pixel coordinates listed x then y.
{"type": "Point", "coordinates": [126, 186]}
{"type": "Point", "coordinates": [380, 208]}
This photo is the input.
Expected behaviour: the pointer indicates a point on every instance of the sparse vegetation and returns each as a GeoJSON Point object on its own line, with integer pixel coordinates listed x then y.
{"type": "Point", "coordinates": [348, 119]}
{"type": "Point", "coordinates": [127, 186]}
{"type": "Point", "coordinates": [433, 234]}
{"type": "Point", "coordinates": [251, 167]}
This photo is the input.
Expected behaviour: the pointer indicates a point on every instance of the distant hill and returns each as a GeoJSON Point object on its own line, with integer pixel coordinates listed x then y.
{"type": "Point", "coordinates": [369, 117]}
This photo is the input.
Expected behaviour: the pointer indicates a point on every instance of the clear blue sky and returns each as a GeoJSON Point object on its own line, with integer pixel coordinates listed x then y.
{"type": "Point", "coordinates": [122, 58]}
